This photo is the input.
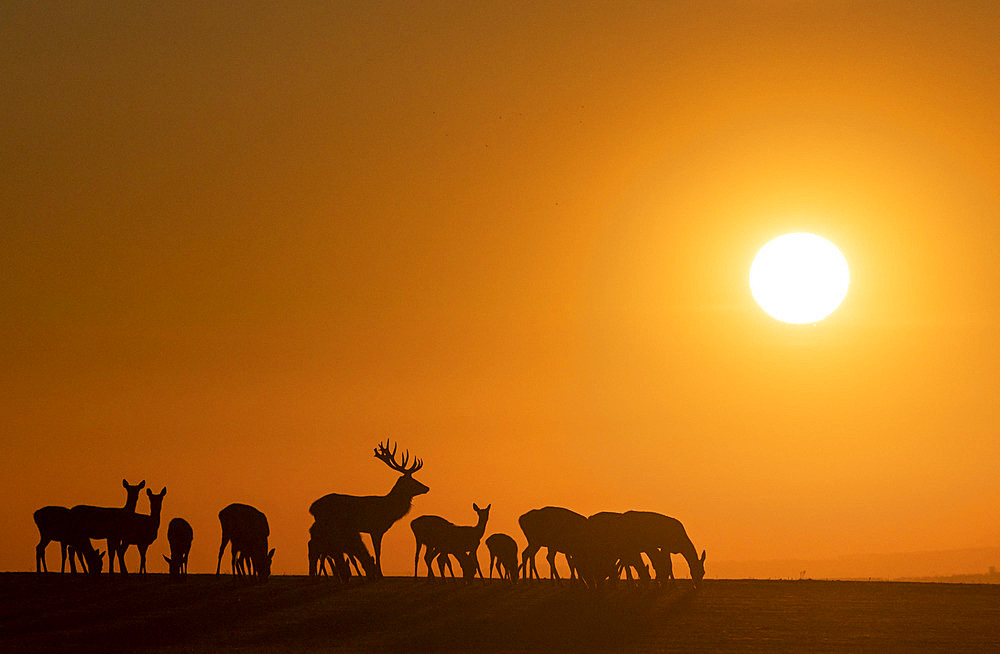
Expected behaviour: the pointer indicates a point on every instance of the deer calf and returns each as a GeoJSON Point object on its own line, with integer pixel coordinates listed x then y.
{"type": "Point", "coordinates": [179, 535]}
{"type": "Point", "coordinates": [503, 552]}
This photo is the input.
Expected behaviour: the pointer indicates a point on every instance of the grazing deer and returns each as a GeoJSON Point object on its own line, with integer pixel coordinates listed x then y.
{"type": "Point", "coordinates": [104, 523]}
{"type": "Point", "coordinates": [339, 547]}
{"type": "Point", "coordinates": [469, 563]}
{"type": "Point", "coordinates": [246, 528]}
{"type": "Point", "coordinates": [55, 524]}
{"type": "Point", "coordinates": [503, 552]}
{"type": "Point", "coordinates": [439, 535]}
{"type": "Point", "coordinates": [141, 530]}
{"type": "Point", "coordinates": [557, 529]}
{"type": "Point", "coordinates": [612, 547]}
{"type": "Point", "coordinates": [179, 535]}
{"type": "Point", "coordinates": [372, 514]}
{"type": "Point", "coordinates": [666, 534]}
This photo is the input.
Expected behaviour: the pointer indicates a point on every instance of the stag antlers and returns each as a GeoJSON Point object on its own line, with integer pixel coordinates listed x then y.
{"type": "Point", "coordinates": [383, 454]}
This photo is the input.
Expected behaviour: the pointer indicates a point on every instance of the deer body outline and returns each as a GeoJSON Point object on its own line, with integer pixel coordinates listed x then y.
{"type": "Point", "coordinates": [555, 528]}
{"type": "Point", "coordinates": [179, 535]}
{"type": "Point", "coordinates": [372, 514]}
{"type": "Point", "coordinates": [246, 528]}
{"type": "Point", "coordinates": [503, 552]}
{"type": "Point", "coordinates": [441, 536]}
{"type": "Point", "coordinates": [141, 530]}
{"type": "Point", "coordinates": [106, 523]}
{"type": "Point", "coordinates": [665, 536]}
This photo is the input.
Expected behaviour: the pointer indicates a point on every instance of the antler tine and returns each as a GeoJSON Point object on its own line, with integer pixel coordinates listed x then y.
{"type": "Point", "coordinates": [417, 465]}
{"type": "Point", "coordinates": [402, 464]}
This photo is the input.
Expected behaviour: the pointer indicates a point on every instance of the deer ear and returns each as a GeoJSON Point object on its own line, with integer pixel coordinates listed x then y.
{"type": "Point", "coordinates": [142, 484]}
{"type": "Point", "coordinates": [163, 491]}
{"type": "Point", "coordinates": [475, 507]}
{"type": "Point", "coordinates": [149, 493]}
{"type": "Point", "coordinates": [124, 483]}
{"type": "Point", "coordinates": [489, 505]}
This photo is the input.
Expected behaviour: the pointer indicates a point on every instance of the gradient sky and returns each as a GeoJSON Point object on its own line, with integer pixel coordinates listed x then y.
{"type": "Point", "coordinates": [243, 242]}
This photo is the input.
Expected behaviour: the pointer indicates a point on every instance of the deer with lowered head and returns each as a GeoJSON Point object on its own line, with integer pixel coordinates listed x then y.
{"type": "Point", "coordinates": [179, 535]}
{"type": "Point", "coordinates": [246, 528]}
{"type": "Point", "coordinates": [372, 514]}
{"type": "Point", "coordinates": [558, 530]}
{"type": "Point", "coordinates": [503, 553]}
{"type": "Point", "coordinates": [441, 536]}
{"type": "Point", "coordinates": [106, 523]}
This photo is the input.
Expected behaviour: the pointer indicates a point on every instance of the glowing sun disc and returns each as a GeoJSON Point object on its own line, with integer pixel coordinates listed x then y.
{"type": "Point", "coordinates": [799, 278]}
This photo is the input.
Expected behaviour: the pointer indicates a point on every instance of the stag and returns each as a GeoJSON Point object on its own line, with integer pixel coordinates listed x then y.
{"type": "Point", "coordinates": [179, 535]}
{"type": "Point", "coordinates": [246, 528]}
{"type": "Point", "coordinates": [104, 523]}
{"type": "Point", "coordinates": [557, 529]}
{"type": "Point", "coordinates": [441, 536]}
{"type": "Point", "coordinates": [372, 514]}
{"type": "Point", "coordinates": [667, 535]}
{"type": "Point", "coordinates": [503, 552]}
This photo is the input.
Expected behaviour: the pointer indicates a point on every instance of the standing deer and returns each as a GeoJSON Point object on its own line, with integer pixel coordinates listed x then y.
{"type": "Point", "coordinates": [667, 535]}
{"type": "Point", "coordinates": [106, 523]}
{"type": "Point", "coordinates": [372, 514]}
{"type": "Point", "coordinates": [55, 524]}
{"type": "Point", "coordinates": [557, 529]}
{"type": "Point", "coordinates": [141, 530]}
{"type": "Point", "coordinates": [503, 552]}
{"type": "Point", "coordinates": [246, 528]}
{"type": "Point", "coordinates": [441, 536]}
{"type": "Point", "coordinates": [610, 547]}
{"type": "Point", "coordinates": [179, 535]}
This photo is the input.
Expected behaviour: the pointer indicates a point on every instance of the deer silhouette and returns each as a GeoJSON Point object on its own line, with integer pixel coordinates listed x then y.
{"type": "Point", "coordinates": [503, 552]}
{"type": "Point", "coordinates": [373, 514]}
{"type": "Point", "coordinates": [666, 534]}
{"type": "Point", "coordinates": [55, 524]}
{"type": "Point", "coordinates": [141, 530]}
{"type": "Point", "coordinates": [611, 547]}
{"type": "Point", "coordinates": [338, 546]}
{"type": "Point", "coordinates": [105, 523]}
{"type": "Point", "coordinates": [466, 560]}
{"type": "Point", "coordinates": [179, 535]}
{"type": "Point", "coordinates": [441, 536]}
{"type": "Point", "coordinates": [557, 529]}
{"type": "Point", "coordinates": [246, 528]}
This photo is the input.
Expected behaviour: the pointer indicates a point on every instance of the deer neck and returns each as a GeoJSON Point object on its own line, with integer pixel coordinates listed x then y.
{"type": "Point", "coordinates": [400, 497]}
{"type": "Point", "coordinates": [130, 502]}
{"type": "Point", "coordinates": [480, 527]}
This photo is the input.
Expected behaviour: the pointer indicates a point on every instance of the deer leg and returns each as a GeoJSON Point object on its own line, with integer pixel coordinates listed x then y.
{"type": "Point", "coordinates": [377, 547]}
{"type": "Point", "coordinates": [416, 558]}
{"type": "Point", "coordinates": [121, 558]}
{"type": "Point", "coordinates": [529, 554]}
{"type": "Point", "coordinates": [429, 555]}
{"type": "Point", "coordinates": [550, 556]}
{"type": "Point", "coordinates": [142, 558]}
{"type": "Point", "coordinates": [222, 548]}
{"type": "Point", "coordinates": [475, 554]}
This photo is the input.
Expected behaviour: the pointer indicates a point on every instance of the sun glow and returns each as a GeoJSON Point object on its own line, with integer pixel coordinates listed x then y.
{"type": "Point", "coordinates": [799, 278]}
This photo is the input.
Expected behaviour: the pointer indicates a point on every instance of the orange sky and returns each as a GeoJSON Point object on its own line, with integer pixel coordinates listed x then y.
{"type": "Point", "coordinates": [242, 243]}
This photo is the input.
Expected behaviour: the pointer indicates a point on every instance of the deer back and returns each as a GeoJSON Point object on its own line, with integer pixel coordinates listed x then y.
{"type": "Point", "coordinates": [554, 527]}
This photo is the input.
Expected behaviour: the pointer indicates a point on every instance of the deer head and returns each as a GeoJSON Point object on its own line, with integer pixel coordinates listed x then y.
{"type": "Point", "coordinates": [406, 484]}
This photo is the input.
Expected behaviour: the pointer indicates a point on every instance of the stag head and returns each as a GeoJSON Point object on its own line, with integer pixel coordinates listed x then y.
{"type": "Point", "coordinates": [406, 483]}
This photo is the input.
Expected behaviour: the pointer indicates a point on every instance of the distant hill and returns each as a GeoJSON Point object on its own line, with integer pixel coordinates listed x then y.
{"type": "Point", "coordinates": [937, 565]}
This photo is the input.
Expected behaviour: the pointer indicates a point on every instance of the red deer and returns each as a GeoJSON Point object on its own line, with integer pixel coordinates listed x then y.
{"type": "Point", "coordinates": [54, 524]}
{"type": "Point", "coordinates": [179, 535]}
{"type": "Point", "coordinates": [440, 535]}
{"type": "Point", "coordinates": [338, 546]}
{"type": "Point", "coordinates": [468, 562]}
{"type": "Point", "coordinates": [610, 547]}
{"type": "Point", "coordinates": [108, 523]}
{"type": "Point", "coordinates": [141, 530]}
{"type": "Point", "coordinates": [553, 527]}
{"type": "Point", "coordinates": [503, 552]}
{"type": "Point", "coordinates": [666, 534]}
{"type": "Point", "coordinates": [372, 514]}
{"type": "Point", "coordinates": [246, 528]}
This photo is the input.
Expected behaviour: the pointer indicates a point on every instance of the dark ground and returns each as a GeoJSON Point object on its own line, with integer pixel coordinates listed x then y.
{"type": "Point", "coordinates": [208, 613]}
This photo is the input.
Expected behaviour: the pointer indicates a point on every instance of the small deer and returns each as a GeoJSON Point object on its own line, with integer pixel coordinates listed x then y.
{"type": "Point", "coordinates": [466, 559]}
{"type": "Point", "coordinates": [503, 553]}
{"type": "Point", "coordinates": [441, 536]}
{"type": "Point", "coordinates": [179, 535]}
{"type": "Point", "coordinates": [338, 546]}
{"type": "Point", "coordinates": [246, 528]}
{"type": "Point", "coordinates": [105, 523]}
{"type": "Point", "coordinates": [372, 514]}
{"type": "Point", "coordinates": [557, 529]}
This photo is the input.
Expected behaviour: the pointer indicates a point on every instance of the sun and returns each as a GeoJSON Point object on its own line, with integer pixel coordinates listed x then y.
{"type": "Point", "coordinates": [799, 278]}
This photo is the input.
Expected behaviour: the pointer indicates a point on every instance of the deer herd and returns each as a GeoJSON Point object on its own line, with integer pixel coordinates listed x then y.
{"type": "Point", "coordinates": [597, 548]}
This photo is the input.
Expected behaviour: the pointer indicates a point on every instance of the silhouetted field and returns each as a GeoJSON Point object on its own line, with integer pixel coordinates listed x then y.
{"type": "Point", "coordinates": [208, 613]}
